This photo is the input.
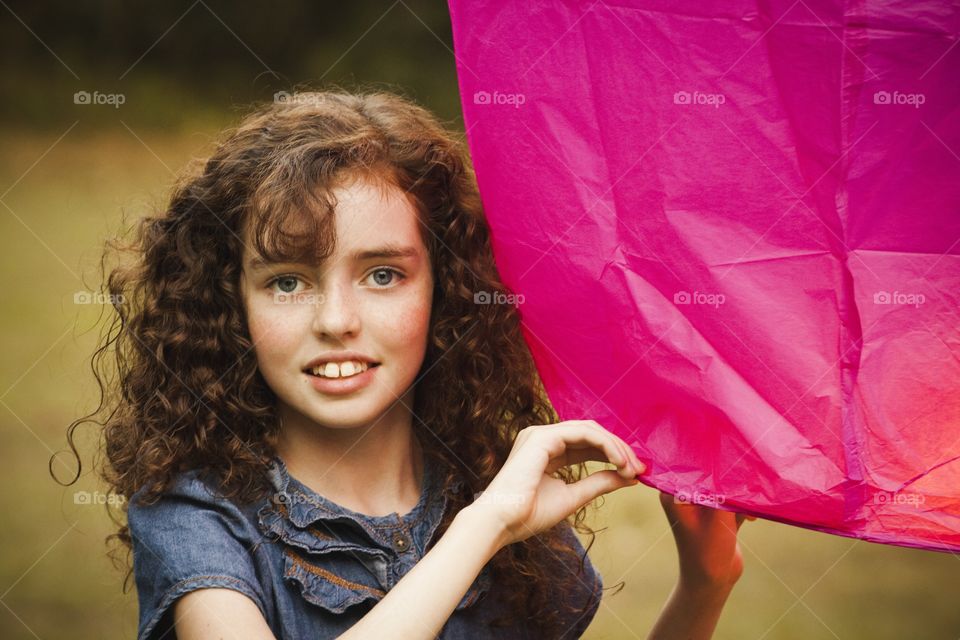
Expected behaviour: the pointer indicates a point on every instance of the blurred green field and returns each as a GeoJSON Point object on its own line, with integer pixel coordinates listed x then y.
{"type": "Point", "coordinates": [63, 195]}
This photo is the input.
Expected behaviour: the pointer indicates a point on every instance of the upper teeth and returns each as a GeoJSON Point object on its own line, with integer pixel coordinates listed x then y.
{"type": "Point", "coordinates": [344, 369]}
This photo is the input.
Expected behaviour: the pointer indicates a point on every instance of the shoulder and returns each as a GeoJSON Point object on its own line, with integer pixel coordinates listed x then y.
{"type": "Point", "coordinates": [189, 538]}
{"type": "Point", "coordinates": [187, 490]}
{"type": "Point", "coordinates": [188, 505]}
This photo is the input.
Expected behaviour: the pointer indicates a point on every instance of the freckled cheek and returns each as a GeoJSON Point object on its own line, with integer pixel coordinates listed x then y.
{"type": "Point", "coordinates": [410, 326]}
{"type": "Point", "coordinates": [403, 327]}
{"type": "Point", "coordinates": [274, 334]}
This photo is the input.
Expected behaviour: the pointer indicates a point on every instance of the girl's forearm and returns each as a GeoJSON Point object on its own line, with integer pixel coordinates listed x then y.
{"type": "Point", "coordinates": [691, 613]}
{"type": "Point", "coordinates": [420, 603]}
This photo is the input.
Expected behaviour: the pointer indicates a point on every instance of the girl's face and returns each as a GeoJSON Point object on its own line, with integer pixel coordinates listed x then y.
{"type": "Point", "coordinates": [374, 305]}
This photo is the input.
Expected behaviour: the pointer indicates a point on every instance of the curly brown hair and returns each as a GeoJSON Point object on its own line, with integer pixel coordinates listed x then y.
{"type": "Point", "coordinates": [184, 361]}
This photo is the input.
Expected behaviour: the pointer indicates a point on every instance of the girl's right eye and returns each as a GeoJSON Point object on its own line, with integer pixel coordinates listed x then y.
{"type": "Point", "coordinates": [281, 280]}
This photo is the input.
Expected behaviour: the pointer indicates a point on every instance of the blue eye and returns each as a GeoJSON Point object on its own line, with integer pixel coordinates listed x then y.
{"type": "Point", "coordinates": [386, 270]}
{"type": "Point", "coordinates": [383, 277]}
{"type": "Point", "coordinates": [285, 279]}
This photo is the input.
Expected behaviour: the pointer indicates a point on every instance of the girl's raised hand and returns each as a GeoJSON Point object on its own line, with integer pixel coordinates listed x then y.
{"type": "Point", "coordinates": [526, 498]}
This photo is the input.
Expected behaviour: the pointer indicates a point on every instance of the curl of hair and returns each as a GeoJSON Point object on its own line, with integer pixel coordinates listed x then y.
{"type": "Point", "coordinates": [188, 391]}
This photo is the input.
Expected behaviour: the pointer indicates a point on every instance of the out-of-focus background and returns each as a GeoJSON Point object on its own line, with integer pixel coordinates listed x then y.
{"type": "Point", "coordinates": [103, 104]}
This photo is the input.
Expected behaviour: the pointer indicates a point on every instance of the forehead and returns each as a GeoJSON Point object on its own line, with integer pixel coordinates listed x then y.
{"type": "Point", "coordinates": [368, 214]}
{"type": "Point", "coordinates": [374, 213]}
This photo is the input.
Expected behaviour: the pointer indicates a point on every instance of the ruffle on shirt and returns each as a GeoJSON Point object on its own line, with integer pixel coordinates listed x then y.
{"type": "Point", "coordinates": [339, 570]}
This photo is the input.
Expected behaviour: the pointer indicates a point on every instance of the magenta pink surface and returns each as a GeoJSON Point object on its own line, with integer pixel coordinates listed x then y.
{"type": "Point", "coordinates": [734, 227]}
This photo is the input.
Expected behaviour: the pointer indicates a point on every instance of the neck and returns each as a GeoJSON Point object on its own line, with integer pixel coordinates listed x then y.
{"type": "Point", "coordinates": [375, 470]}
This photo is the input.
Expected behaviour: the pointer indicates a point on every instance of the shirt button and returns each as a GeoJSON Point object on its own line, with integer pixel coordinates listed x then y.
{"type": "Point", "coordinates": [401, 542]}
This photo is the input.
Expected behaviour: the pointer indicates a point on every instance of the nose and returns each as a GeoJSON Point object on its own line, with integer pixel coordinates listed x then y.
{"type": "Point", "coordinates": [335, 312]}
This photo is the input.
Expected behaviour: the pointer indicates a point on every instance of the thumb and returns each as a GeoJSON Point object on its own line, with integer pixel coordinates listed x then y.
{"type": "Point", "coordinates": [597, 484]}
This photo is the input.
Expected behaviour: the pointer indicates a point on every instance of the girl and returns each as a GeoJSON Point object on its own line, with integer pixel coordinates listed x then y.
{"type": "Point", "coordinates": [321, 431]}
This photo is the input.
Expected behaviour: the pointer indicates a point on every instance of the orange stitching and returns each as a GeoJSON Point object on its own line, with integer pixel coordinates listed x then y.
{"type": "Point", "coordinates": [320, 534]}
{"type": "Point", "coordinates": [282, 509]}
{"type": "Point", "coordinates": [335, 579]}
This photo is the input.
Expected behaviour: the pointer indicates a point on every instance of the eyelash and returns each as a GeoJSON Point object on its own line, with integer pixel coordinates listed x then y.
{"type": "Point", "coordinates": [291, 275]}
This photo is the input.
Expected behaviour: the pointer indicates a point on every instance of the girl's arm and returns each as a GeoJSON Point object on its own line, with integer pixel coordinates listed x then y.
{"type": "Point", "coordinates": [689, 614]}
{"type": "Point", "coordinates": [420, 603]}
{"type": "Point", "coordinates": [523, 499]}
{"type": "Point", "coordinates": [710, 565]}
{"type": "Point", "coordinates": [417, 607]}
{"type": "Point", "coordinates": [219, 613]}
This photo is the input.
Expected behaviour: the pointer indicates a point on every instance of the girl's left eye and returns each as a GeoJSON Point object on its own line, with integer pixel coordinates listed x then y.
{"type": "Point", "coordinates": [385, 270]}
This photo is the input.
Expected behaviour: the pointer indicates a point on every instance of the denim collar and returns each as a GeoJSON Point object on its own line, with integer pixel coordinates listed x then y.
{"type": "Point", "coordinates": [301, 519]}
{"type": "Point", "coordinates": [306, 509]}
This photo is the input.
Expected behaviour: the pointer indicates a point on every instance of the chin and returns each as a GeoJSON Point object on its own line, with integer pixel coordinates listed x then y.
{"type": "Point", "coordinates": [341, 416]}
{"type": "Point", "coordinates": [347, 413]}
{"type": "Point", "coordinates": [341, 424]}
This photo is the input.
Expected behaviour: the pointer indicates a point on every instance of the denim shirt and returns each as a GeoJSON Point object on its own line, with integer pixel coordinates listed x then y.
{"type": "Point", "coordinates": [312, 567]}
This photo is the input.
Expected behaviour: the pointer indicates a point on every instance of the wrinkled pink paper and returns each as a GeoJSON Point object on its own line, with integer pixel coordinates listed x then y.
{"type": "Point", "coordinates": [734, 227]}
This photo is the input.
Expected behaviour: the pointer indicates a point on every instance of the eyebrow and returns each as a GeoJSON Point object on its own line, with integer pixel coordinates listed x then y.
{"type": "Point", "coordinates": [386, 251]}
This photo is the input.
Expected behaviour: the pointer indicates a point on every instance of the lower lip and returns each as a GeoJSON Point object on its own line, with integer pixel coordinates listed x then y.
{"type": "Point", "coordinates": [342, 386]}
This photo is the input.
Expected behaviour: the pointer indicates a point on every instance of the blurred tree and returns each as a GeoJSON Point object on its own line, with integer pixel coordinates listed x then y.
{"type": "Point", "coordinates": [174, 58]}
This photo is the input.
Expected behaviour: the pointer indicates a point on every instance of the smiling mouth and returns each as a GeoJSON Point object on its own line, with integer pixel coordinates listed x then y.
{"type": "Point", "coordinates": [348, 369]}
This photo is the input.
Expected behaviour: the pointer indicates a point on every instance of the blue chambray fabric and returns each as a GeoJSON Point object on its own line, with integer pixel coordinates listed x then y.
{"type": "Point", "coordinates": [313, 568]}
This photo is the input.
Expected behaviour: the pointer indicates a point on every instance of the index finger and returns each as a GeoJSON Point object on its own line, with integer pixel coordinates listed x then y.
{"type": "Point", "coordinates": [564, 437]}
{"type": "Point", "coordinates": [628, 451]}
